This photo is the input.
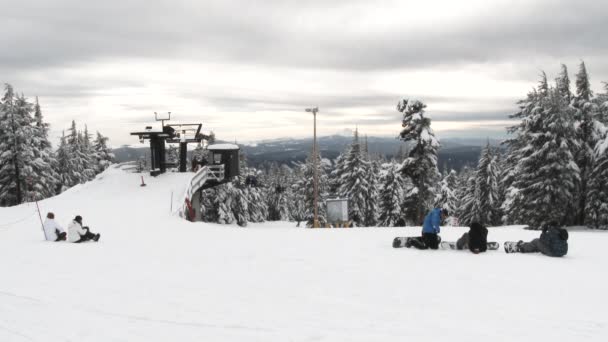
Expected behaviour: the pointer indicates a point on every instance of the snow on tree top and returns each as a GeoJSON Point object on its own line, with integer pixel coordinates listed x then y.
{"type": "Point", "coordinates": [223, 147]}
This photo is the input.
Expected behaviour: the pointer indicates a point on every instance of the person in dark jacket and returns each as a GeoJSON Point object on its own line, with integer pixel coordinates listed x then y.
{"type": "Point", "coordinates": [476, 240]}
{"type": "Point", "coordinates": [430, 230]}
{"type": "Point", "coordinates": [553, 241]}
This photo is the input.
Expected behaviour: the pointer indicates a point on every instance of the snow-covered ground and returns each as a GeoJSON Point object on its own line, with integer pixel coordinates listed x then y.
{"type": "Point", "coordinates": [155, 277]}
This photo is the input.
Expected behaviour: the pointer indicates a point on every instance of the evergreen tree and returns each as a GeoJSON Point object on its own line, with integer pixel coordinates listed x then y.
{"type": "Point", "coordinates": [45, 180]}
{"type": "Point", "coordinates": [390, 196]}
{"type": "Point", "coordinates": [563, 84]}
{"type": "Point", "coordinates": [16, 149]}
{"type": "Point", "coordinates": [79, 171]}
{"type": "Point", "coordinates": [596, 210]}
{"type": "Point", "coordinates": [446, 196]}
{"type": "Point", "coordinates": [467, 211]}
{"type": "Point", "coordinates": [335, 176]}
{"type": "Point", "coordinates": [65, 169]}
{"type": "Point", "coordinates": [355, 183]}
{"type": "Point", "coordinates": [421, 164]}
{"type": "Point", "coordinates": [103, 154]}
{"type": "Point", "coordinates": [487, 194]}
{"type": "Point", "coordinates": [371, 201]}
{"type": "Point", "coordinates": [587, 136]}
{"type": "Point", "coordinates": [546, 176]}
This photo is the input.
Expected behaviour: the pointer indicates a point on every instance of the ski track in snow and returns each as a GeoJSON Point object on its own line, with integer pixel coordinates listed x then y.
{"type": "Point", "coordinates": [154, 277]}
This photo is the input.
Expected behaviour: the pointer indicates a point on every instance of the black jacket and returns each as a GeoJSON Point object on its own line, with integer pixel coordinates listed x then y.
{"type": "Point", "coordinates": [478, 238]}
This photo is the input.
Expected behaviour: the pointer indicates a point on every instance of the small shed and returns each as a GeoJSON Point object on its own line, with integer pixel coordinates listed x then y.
{"type": "Point", "coordinates": [227, 155]}
{"type": "Point", "coordinates": [337, 211]}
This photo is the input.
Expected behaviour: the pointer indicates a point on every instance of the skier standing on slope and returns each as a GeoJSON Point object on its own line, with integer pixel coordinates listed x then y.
{"type": "Point", "coordinates": [553, 242]}
{"type": "Point", "coordinates": [52, 230]}
{"type": "Point", "coordinates": [77, 233]}
{"type": "Point", "coordinates": [476, 240]}
{"type": "Point", "coordinates": [430, 230]}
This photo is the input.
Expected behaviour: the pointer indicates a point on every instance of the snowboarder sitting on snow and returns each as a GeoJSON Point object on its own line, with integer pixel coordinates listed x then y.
{"type": "Point", "coordinates": [52, 230]}
{"type": "Point", "coordinates": [553, 242]}
{"type": "Point", "coordinates": [476, 240]}
{"type": "Point", "coordinates": [430, 230]}
{"type": "Point", "coordinates": [77, 233]}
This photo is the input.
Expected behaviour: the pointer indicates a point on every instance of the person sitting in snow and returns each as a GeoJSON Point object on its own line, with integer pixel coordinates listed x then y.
{"type": "Point", "coordinates": [77, 233]}
{"type": "Point", "coordinates": [553, 241]}
{"type": "Point", "coordinates": [52, 230]}
{"type": "Point", "coordinates": [430, 230]}
{"type": "Point", "coordinates": [476, 240]}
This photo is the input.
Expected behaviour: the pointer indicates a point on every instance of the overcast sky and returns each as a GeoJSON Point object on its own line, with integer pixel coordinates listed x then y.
{"type": "Point", "coordinates": [247, 69]}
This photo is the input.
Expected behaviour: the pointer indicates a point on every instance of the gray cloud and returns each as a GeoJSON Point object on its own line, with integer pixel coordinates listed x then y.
{"type": "Point", "coordinates": [68, 32]}
{"type": "Point", "coordinates": [46, 44]}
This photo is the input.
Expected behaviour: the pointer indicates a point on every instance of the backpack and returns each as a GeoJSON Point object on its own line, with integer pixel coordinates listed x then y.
{"type": "Point", "coordinates": [556, 239]}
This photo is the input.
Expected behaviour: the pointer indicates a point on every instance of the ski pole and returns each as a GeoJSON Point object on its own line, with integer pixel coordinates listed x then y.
{"type": "Point", "coordinates": [40, 217]}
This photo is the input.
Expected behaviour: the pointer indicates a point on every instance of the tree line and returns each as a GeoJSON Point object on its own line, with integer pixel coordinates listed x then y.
{"type": "Point", "coordinates": [553, 167]}
{"type": "Point", "coordinates": [30, 169]}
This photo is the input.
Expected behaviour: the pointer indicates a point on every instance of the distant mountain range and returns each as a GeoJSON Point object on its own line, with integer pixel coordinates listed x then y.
{"type": "Point", "coordinates": [454, 153]}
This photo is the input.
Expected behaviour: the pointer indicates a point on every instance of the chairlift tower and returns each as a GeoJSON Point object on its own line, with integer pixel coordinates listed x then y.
{"type": "Point", "coordinates": [182, 134]}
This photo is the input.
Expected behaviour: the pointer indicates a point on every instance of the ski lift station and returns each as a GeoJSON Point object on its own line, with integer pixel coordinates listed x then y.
{"type": "Point", "coordinates": [222, 167]}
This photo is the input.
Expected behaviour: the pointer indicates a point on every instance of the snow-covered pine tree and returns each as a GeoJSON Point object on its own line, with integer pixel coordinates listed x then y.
{"type": "Point", "coordinates": [355, 182]}
{"type": "Point", "coordinates": [596, 206]}
{"type": "Point", "coordinates": [64, 167]}
{"type": "Point", "coordinates": [596, 210]}
{"type": "Point", "coordinates": [240, 204]}
{"type": "Point", "coordinates": [487, 189]}
{"type": "Point", "coordinates": [44, 177]}
{"type": "Point", "coordinates": [256, 202]}
{"type": "Point", "coordinates": [588, 135]}
{"type": "Point", "coordinates": [335, 176]}
{"type": "Point", "coordinates": [467, 210]}
{"type": "Point", "coordinates": [223, 202]}
{"type": "Point", "coordinates": [371, 202]}
{"type": "Point", "coordinates": [89, 154]}
{"type": "Point", "coordinates": [517, 146]}
{"type": "Point", "coordinates": [390, 196]}
{"type": "Point", "coordinates": [563, 84]}
{"type": "Point", "coordinates": [103, 154]}
{"type": "Point", "coordinates": [546, 176]}
{"type": "Point", "coordinates": [446, 196]}
{"type": "Point", "coordinates": [421, 164]}
{"type": "Point", "coordinates": [16, 149]}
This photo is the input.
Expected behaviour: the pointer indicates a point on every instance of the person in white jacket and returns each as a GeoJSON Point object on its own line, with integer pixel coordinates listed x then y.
{"type": "Point", "coordinates": [77, 233]}
{"type": "Point", "coordinates": [52, 230]}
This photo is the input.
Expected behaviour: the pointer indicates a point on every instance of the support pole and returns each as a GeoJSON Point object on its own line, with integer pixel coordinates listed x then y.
{"type": "Point", "coordinates": [315, 174]}
{"type": "Point", "coordinates": [183, 156]}
{"type": "Point", "coordinates": [40, 217]}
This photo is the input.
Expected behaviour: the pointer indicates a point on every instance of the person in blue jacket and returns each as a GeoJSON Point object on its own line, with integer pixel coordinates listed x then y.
{"type": "Point", "coordinates": [430, 230]}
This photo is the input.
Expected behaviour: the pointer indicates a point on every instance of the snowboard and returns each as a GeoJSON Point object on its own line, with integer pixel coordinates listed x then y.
{"type": "Point", "coordinates": [512, 247]}
{"type": "Point", "coordinates": [492, 246]}
{"type": "Point", "coordinates": [405, 241]}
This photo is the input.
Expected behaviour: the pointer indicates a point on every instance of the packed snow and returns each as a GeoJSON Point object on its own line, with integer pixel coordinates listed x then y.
{"type": "Point", "coordinates": [156, 277]}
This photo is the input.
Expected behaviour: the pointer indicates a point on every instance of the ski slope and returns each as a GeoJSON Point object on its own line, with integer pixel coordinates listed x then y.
{"type": "Point", "coordinates": [154, 277]}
